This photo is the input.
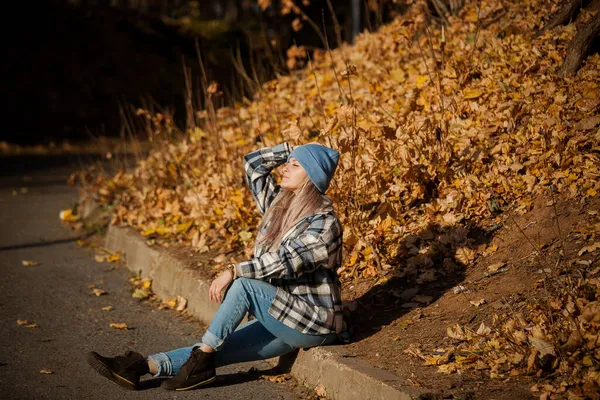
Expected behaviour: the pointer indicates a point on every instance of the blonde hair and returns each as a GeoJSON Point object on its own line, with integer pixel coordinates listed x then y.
{"type": "Point", "coordinates": [289, 207]}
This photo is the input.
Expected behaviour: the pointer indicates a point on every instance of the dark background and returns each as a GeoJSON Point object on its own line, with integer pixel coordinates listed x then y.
{"type": "Point", "coordinates": [72, 64]}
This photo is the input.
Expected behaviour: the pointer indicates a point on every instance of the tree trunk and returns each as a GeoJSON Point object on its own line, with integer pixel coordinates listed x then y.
{"type": "Point", "coordinates": [579, 46]}
{"type": "Point", "coordinates": [566, 13]}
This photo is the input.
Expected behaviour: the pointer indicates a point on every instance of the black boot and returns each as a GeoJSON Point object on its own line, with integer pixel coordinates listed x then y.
{"type": "Point", "coordinates": [124, 370]}
{"type": "Point", "coordinates": [198, 370]}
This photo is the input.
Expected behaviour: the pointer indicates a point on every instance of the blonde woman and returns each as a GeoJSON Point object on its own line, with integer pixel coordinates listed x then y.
{"type": "Point", "coordinates": [290, 286]}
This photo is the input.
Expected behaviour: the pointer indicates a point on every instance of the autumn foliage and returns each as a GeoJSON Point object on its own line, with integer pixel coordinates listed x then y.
{"type": "Point", "coordinates": [435, 129]}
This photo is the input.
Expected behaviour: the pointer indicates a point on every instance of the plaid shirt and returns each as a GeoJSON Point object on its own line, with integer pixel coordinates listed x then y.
{"type": "Point", "coordinates": [304, 266]}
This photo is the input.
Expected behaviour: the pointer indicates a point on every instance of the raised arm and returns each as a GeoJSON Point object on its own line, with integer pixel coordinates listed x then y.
{"type": "Point", "coordinates": [318, 246]}
{"type": "Point", "coordinates": [258, 166]}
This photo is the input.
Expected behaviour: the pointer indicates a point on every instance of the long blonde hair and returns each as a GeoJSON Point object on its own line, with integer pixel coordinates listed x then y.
{"type": "Point", "coordinates": [288, 207]}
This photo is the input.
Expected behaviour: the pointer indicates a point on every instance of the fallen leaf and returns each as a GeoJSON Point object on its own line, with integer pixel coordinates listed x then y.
{"type": "Point", "coordinates": [465, 255]}
{"type": "Point", "coordinates": [490, 249]}
{"type": "Point", "coordinates": [277, 378]}
{"type": "Point", "coordinates": [107, 308]}
{"type": "Point", "coordinates": [495, 267]}
{"type": "Point", "coordinates": [398, 75]}
{"type": "Point", "coordinates": [181, 303]}
{"type": "Point", "coordinates": [100, 258]}
{"type": "Point", "coordinates": [456, 332]}
{"type": "Point", "coordinates": [589, 249]}
{"type": "Point", "coordinates": [472, 94]}
{"type": "Point", "coordinates": [588, 123]}
{"type": "Point", "coordinates": [29, 263]}
{"type": "Point", "coordinates": [245, 236]}
{"type": "Point", "coordinates": [140, 293]}
{"type": "Point", "coordinates": [477, 303]}
{"type": "Point", "coordinates": [119, 326]}
{"type": "Point", "coordinates": [46, 371]}
{"type": "Point", "coordinates": [434, 359]}
{"type": "Point", "coordinates": [22, 322]}
{"type": "Point", "coordinates": [98, 292]}
{"type": "Point", "coordinates": [447, 369]}
{"type": "Point", "coordinates": [172, 303]}
{"type": "Point", "coordinates": [542, 346]}
{"type": "Point", "coordinates": [483, 330]}
{"type": "Point", "coordinates": [67, 216]}
{"type": "Point", "coordinates": [114, 257]}
{"type": "Point", "coordinates": [422, 80]}
{"type": "Point", "coordinates": [320, 390]}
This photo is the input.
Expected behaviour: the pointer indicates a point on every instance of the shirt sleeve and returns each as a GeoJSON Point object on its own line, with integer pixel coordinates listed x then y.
{"type": "Point", "coordinates": [303, 254]}
{"type": "Point", "coordinates": [258, 166]}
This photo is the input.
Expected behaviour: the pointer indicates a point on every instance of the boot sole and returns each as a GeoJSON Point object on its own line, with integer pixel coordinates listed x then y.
{"type": "Point", "coordinates": [194, 386]}
{"type": "Point", "coordinates": [103, 370]}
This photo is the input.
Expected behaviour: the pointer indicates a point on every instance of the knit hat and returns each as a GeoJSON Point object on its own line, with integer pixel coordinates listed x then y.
{"type": "Point", "coordinates": [318, 161]}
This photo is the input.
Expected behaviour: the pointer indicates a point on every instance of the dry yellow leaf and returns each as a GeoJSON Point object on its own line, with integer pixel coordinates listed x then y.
{"type": "Point", "coordinates": [29, 263]}
{"type": "Point", "coordinates": [276, 378]}
{"type": "Point", "coordinates": [490, 249]}
{"type": "Point", "coordinates": [140, 293]}
{"type": "Point", "coordinates": [67, 216]}
{"type": "Point", "coordinates": [172, 303]}
{"type": "Point", "coordinates": [472, 94]}
{"type": "Point", "coordinates": [456, 332]}
{"type": "Point", "coordinates": [495, 267]}
{"type": "Point", "coordinates": [447, 369]}
{"type": "Point", "coordinates": [98, 292]}
{"type": "Point", "coordinates": [398, 75]}
{"type": "Point", "coordinates": [183, 228]}
{"type": "Point", "coordinates": [107, 308]}
{"type": "Point", "coordinates": [46, 371]}
{"type": "Point", "coordinates": [477, 303]}
{"type": "Point", "coordinates": [464, 255]}
{"type": "Point", "coordinates": [114, 257]}
{"type": "Point", "coordinates": [149, 232]}
{"type": "Point", "coordinates": [122, 326]}
{"type": "Point", "coordinates": [421, 80]}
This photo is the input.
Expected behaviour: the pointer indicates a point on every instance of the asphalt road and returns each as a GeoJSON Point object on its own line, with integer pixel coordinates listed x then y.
{"type": "Point", "coordinates": [55, 295]}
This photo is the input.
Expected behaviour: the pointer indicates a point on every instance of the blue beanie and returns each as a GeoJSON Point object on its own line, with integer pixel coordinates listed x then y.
{"type": "Point", "coordinates": [318, 161]}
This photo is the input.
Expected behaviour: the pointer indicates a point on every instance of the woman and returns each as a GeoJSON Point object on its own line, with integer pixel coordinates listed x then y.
{"type": "Point", "coordinates": [290, 286]}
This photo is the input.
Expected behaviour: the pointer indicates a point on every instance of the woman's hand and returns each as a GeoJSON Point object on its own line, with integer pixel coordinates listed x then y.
{"type": "Point", "coordinates": [218, 286]}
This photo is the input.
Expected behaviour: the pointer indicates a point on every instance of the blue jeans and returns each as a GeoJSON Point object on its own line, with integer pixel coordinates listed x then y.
{"type": "Point", "coordinates": [262, 338]}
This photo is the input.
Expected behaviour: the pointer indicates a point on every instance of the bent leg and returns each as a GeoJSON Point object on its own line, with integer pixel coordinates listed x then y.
{"type": "Point", "coordinates": [263, 338]}
{"type": "Point", "coordinates": [255, 296]}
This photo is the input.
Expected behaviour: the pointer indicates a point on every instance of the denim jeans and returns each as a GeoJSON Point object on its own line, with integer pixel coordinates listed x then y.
{"type": "Point", "coordinates": [262, 338]}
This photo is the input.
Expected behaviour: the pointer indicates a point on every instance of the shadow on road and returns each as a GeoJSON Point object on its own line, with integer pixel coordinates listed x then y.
{"type": "Point", "coordinates": [44, 243]}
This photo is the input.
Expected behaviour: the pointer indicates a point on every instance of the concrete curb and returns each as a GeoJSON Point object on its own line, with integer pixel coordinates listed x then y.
{"type": "Point", "coordinates": [343, 378]}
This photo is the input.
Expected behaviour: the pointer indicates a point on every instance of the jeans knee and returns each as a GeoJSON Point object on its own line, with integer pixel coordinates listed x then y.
{"type": "Point", "coordinates": [239, 285]}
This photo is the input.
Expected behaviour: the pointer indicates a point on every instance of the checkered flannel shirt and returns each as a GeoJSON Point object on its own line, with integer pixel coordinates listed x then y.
{"type": "Point", "coordinates": [304, 266]}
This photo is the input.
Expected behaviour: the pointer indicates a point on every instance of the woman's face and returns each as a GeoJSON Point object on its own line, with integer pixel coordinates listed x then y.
{"type": "Point", "coordinates": [293, 174]}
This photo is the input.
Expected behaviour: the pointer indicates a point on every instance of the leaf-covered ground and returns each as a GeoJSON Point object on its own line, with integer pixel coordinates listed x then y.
{"type": "Point", "coordinates": [446, 138]}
